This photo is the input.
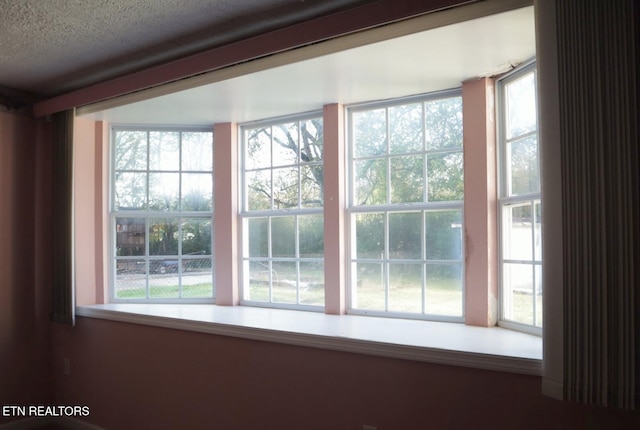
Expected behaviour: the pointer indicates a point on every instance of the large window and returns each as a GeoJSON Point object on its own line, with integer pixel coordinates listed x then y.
{"type": "Point", "coordinates": [282, 212]}
{"type": "Point", "coordinates": [162, 215]}
{"type": "Point", "coordinates": [520, 208]}
{"type": "Point", "coordinates": [406, 181]}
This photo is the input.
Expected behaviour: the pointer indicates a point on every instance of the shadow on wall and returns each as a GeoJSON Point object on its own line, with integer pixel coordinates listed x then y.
{"type": "Point", "coordinates": [25, 365]}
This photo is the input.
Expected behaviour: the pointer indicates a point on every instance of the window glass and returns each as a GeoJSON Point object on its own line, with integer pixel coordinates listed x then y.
{"type": "Point", "coordinates": [521, 238]}
{"type": "Point", "coordinates": [162, 215]}
{"type": "Point", "coordinates": [406, 208]}
{"type": "Point", "coordinates": [282, 214]}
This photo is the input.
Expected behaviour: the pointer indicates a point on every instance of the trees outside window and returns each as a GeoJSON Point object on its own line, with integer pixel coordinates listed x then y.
{"type": "Point", "coordinates": [162, 214]}
{"type": "Point", "coordinates": [283, 223]}
{"type": "Point", "coordinates": [406, 207]}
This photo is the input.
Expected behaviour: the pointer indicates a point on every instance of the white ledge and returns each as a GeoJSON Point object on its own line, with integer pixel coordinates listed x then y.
{"type": "Point", "coordinates": [434, 342]}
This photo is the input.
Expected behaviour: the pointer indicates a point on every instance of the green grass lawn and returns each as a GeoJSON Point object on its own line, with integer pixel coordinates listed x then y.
{"type": "Point", "coordinates": [522, 308]}
{"type": "Point", "coordinates": [443, 296]}
{"type": "Point", "coordinates": [204, 290]}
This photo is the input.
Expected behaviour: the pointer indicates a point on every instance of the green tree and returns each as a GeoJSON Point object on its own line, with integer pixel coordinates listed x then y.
{"type": "Point", "coordinates": [282, 148]}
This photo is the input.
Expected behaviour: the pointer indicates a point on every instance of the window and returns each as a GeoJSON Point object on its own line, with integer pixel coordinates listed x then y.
{"type": "Point", "coordinates": [162, 215]}
{"type": "Point", "coordinates": [406, 200]}
{"type": "Point", "coordinates": [282, 213]}
{"type": "Point", "coordinates": [520, 207]}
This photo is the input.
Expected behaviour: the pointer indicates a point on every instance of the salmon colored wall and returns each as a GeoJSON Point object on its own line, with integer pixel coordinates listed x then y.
{"type": "Point", "coordinates": [25, 202]}
{"type": "Point", "coordinates": [139, 377]}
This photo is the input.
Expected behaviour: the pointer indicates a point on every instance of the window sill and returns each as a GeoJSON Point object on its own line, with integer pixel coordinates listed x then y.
{"type": "Point", "coordinates": [433, 342]}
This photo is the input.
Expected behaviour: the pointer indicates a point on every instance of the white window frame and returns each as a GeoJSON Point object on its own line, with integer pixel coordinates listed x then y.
{"type": "Point", "coordinates": [269, 214]}
{"type": "Point", "coordinates": [147, 214]}
{"type": "Point", "coordinates": [507, 200]}
{"type": "Point", "coordinates": [424, 207]}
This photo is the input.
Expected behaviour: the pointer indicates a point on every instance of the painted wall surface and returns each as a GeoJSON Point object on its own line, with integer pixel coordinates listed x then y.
{"type": "Point", "coordinates": [25, 369]}
{"type": "Point", "coordinates": [134, 376]}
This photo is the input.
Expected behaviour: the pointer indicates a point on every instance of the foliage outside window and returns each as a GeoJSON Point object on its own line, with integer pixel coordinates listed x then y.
{"type": "Point", "coordinates": [407, 193]}
{"type": "Point", "coordinates": [283, 223]}
{"type": "Point", "coordinates": [162, 215]}
{"type": "Point", "coordinates": [521, 247]}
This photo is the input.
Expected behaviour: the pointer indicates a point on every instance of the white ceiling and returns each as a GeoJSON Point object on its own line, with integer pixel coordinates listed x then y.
{"type": "Point", "coordinates": [427, 61]}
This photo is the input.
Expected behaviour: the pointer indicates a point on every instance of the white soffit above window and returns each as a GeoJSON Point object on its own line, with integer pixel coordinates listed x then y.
{"type": "Point", "coordinates": [421, 62]}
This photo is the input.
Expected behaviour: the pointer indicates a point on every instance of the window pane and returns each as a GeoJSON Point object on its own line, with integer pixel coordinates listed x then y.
{"type": "Point", "coordinates": [444, 123]}
{"type": "Point", "coordinates": [197, 151]}
{"type": "Point", "coordinates": [285, 144]}
{"type": "Point", "coordinates": [538, 294]}
{"type": "Point", "coordinates": [405, 128]}
{"type": "Point", "coordinates": [405, 288]}
{"type": "Point", "coordinates": [163, 236]}
{"type": "Point", "coordinates": [196, 236]}
{"type": "Point", "coordinates": [312, 283]}
{"type": "Point", "coordinates": [258, 148]}
{"type": "Point", "coordinates": [130, 236]}
{"type": "Point", "coordinates": [444, 289]}
{"type": "Point", "coordinates": [407, 179]}
{"type": "Point", "coordinates": [131, 280]}
{"type": "Point", "coordinates": [258, 237]}
{"type": "Point", "coordinates": [197, 276]}
{"type": "Point", "coordinates": [371, 182]}
{"type": "Point", "coordinates": [370, 241]}
{"type": "Point", "coordinates": [283, 237]}
{"type": "Point", "coordinates": [311, 186]}
{"type": "Point", "coordinates": [370, 132]}
{"type": "Point", "coordinates": [164, 282]}
{"type": "Point", "coordinates": [130, 150]}
{"type": "Point", "coordinates": [538, 231]}
{"type": "Point", "coordinates": [164, 150]}
{"type": "Point", "coordinates": [311, 233]}
{"type": "Point", "coordinates": [197, 192]}
{"type": "Point", "coordinates": [259, 279]}
{"type": "Point", "coordinates": [285, 188]}
{"type": "Point", "coordinates": [445, 177]}
{"type": "Point", "coordinates": [284, 282]}
{"type": "Point", "coordinates": [443, 235]}
{"type": "Point", "coordinates": [404, 235]}
{"type": "Point", "coordinates": [521, 106]}
{"type": "Point", "coordinates": [524, 166]}
{"type": "Point", "coordinates": [258, 190]}
{"type": "Point", "coordinates": [369, 290]}
{"type": "Point", "coordinates": [130, 267]}
{"type": "Point", "coordinates": [517, 232]}
{"type": "Point", "coordinates": [163, 191]}
{"type": "Point", "coordinates": [517, 290]}
{"type": "Point", "coordinates": [130, 191]}
{"type": "Point", "coordinates": [311, 133]}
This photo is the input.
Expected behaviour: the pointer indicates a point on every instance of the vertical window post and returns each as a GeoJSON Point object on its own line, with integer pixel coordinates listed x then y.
{"type": "Point", "coordinates": [481, 283]}
{"type": "Point", "coordinates": [226, 220]}
{"type": "Point", "coordinates": [334, 210]}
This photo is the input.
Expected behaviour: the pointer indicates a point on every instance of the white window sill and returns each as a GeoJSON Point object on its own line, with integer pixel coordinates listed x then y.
{"type": "Point", "coordinates": [434, 342]}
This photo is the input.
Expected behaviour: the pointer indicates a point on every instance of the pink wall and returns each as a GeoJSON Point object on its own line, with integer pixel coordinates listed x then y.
{"type": "Point", "coordinates": [25, 202]}
{"type": "Point", "coordinates": [135, 376]}
{"type": "Point", "coordinates": [89, 154]}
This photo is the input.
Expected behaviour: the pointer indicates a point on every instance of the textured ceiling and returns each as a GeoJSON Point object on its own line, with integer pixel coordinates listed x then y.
{"type": "Point", "coordinates": [48, 47]}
